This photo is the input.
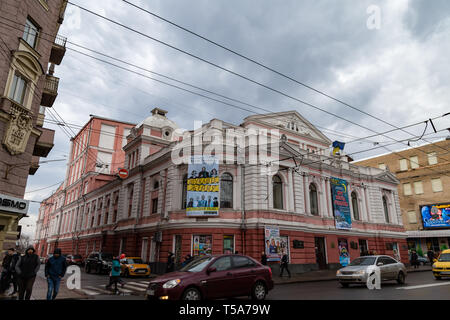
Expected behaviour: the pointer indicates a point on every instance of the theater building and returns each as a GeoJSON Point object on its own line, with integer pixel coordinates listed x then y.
{"type": "Point", "coordinates": [145, 214]}
{"type": "Point", "coordinates": [29, 50]}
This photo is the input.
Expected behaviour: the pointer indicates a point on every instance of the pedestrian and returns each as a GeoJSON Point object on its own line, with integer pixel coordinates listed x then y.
{"type": "Point", "coordinates": [430, 255]}
{"type": "Point", "coordinates": [170, 262]}
{"type": "Point", "coordinates": [26, 268]}
{"type": "Point", "coordinates": [114, 275]}
{"type": "Point", "coordinates": [284, 264]}
{"type": "Point", "coordinates": [5, 277]}
{"type": "Point", "coordinates": [263, 259]}
{"type": "Point", "coordinates": [12, 269]}
{"type": "Point", "coordinates": [55, 269]}
{"type": "Point", "coordinates": [396, 255]}
{"type": "Point", "coordinates": [414, 259]}
{"type": "Point", "coordinates": [187, 259]}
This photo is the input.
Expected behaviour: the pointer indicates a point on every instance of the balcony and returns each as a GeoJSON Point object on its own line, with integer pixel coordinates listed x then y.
{"type": "Point", "coordinates": [50, 90]}
{"type": "Point", "coordinates": [45, 143]}
{"type": "Point", "coordinates": [34, 165]}
{"type": "Point", "coordinates": [58, 50]}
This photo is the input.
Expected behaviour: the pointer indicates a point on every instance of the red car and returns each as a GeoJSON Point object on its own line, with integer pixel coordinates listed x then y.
{"type": "Point", "coordinates": [214, 277]}
{"type": "Point", "coordinates": [74, 259]}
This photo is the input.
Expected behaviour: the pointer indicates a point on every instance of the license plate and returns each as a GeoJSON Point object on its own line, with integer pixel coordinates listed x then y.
{"type": "Point", "coordinates": [141, 271]}
{"type": "Point", "coordinates": [151, 292]}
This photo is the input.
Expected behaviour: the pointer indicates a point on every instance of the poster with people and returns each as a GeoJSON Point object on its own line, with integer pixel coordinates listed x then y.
{"type": "Point", "coordinates": [202, 198]}
{"type": "Point", "coordinates": [275, 244]}
{"type": "Point", "coordinates": [202, 245]}
{"type": "Point", "coordinates": [341, 207]}
{"type": "Point", "coordinates": [436, 216]}
{"type": "Point", "coordinates": [344, 254]}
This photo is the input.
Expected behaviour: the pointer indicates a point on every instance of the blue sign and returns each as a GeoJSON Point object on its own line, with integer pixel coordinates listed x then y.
{"type": "Point", "coordinates": [341, 207]}
{"type": "Point", "coordinates": [436, 216]}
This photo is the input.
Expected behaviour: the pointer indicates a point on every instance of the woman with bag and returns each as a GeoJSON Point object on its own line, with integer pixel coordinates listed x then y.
{"type": "Point", "coordinates": [114, 275]}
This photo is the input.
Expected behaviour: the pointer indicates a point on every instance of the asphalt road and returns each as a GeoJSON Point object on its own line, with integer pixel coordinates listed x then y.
{"type": "Point", "coordinates": [418, 286]}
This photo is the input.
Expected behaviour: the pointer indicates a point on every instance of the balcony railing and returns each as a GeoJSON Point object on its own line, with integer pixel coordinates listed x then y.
{"type": "Point", "coordinates": [50, 91]}
{"type": "Point", "coordinates": [58, 50]}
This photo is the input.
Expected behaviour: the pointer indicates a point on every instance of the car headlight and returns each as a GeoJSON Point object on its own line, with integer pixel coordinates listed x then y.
{"type": "Point", "coordinates": [360, 272]}
{"type": "Point", "coordinates": [338, 272]}
{"type": "Point", "coordinates": [171, 284]}
{"type": "Point", "coordinates": [434, 265]}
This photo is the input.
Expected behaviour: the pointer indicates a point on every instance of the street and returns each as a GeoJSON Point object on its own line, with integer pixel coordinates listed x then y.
{"type": "Point", "coordinates": [419, 286]}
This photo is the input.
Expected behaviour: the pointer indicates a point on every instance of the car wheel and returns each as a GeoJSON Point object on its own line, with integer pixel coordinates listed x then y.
{"type": "Point", "coordinates": [259, 291]}
{"type": "Point", "coordinates": [401, 278]}
{"type": "Point", "coordinates": [343, 284]}
{"type": "Point", "coordinates": [191, 294]}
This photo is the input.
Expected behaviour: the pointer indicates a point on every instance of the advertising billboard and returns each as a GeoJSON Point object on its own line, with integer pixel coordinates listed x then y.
{"type": "Point", "coordinates": [275, 244]}
{"type": "Point", "coordinates": [202, 198]}
{"type": "Point", "coordinates": [435, 216]}
{"type": "Point", "coordinates": [341, 207]}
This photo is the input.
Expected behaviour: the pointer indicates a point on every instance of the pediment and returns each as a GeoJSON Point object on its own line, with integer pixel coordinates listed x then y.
{"type": "Point", "coordinates": [292, 122]}
{"type": "Point", "coordinates": [387, 177]}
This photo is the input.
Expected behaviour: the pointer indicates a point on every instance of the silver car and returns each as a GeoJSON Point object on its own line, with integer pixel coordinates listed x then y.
{"type": "Point", "coordinates": [356, 271]}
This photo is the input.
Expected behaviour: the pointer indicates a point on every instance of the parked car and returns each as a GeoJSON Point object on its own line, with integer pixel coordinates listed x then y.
{"type": "Point", "coordinates": [98, 262]}
{"type": "Point", "coordinates": [441, 265]}
{"type": "Point", "coordinates": [357, 270]}
{"type": "Point", "coordinates": [134, 266]}
{"type": "Point", "coordinates": [74, 260]}
{"type": "Point", "coordinates": [214, 277]}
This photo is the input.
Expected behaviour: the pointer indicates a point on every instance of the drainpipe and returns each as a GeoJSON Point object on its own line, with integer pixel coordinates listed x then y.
{"type": "Point", "coordinates": [243, 224]}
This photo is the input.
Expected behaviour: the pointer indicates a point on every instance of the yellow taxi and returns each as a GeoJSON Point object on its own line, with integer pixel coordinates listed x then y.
{"type": "Point", "coordinates": [134, 266]}
{"type": "Point", "coordinates": [441, 265]}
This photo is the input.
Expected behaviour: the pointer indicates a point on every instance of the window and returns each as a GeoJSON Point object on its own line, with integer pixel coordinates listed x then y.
{"type": "Point", "coordinates": [436, 185]}
{"type": "Point", "coordinates": [18, 88]}
{"type": "Point", "coordinates": [414, 162]}
{"type": "Point", "coordinates": [228, 244]}
{"type": "Point", "coordinates": [31, 33]}
{"type": "Point", "coordinates": [386, 209]}
{"type": "Point", "coordinates": [412, 218]}
{"type": "Point", "coordinates": [407, 189]}
{"type": "Point", "coordinates": [277, 192]}
{"type": "Point", "coordinates": [156, 185]}
{"type": "Point", "coordinates": [184, 192]}
{"type": "Point", "coordinates": [418, 187]}
{"type": "Point", "coordinates": [432, 159]}
{"type": "Point", "coordinates": [107, 136]}
{"type": "Point", "coordinates": [130, 199]}
{"type": "Point", "coordinates": [222, 264]}
{"type": "Point", "coordinates": [403, 164]}
{"type": "Point", "coordinates": [355, 206]}
{"type": "Point", "coordinates": [226, 191]}
{"type": "Point", "coordinates": [242, 262]}
{"type": "Point", "coordinates": [382, 166]}
{"type": "Point", "coordinates": [155, 205]}
{"type": "Point", "coordinates": [313, 202]}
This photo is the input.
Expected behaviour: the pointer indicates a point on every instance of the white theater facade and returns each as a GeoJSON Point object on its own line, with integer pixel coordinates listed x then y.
{"type": "Point", "coordinates": [145, 214]}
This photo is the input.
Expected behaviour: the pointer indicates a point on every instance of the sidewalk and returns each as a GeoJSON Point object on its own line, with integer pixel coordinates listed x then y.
{"type": "Point", "coordinates": [324, 275]}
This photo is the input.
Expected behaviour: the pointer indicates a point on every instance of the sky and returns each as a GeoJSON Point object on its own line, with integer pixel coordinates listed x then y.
{"type": "Point", "coordinates": [388, 59]}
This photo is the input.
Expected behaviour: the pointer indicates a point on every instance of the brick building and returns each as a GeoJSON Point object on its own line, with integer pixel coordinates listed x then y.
{"type": "Point", "coordinates": [29, 51]}
{"type": "Point", "coordinates": [145, 214]}
{"type": "Point", "coordinates": [424, 181]}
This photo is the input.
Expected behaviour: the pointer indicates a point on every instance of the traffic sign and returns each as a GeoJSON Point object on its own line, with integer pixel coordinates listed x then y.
{"type": "Point", "coordinates": [123, 173]}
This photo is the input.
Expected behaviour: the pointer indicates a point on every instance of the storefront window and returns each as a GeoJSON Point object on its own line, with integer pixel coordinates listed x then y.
{"type": "Point", "coordinates": [228, 244]}
{"type": "Point", "coordinates": [202, 245]}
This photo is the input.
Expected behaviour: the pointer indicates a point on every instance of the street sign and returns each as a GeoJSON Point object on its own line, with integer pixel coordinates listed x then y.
{"type": "Point", "coordinates": [123, 173]}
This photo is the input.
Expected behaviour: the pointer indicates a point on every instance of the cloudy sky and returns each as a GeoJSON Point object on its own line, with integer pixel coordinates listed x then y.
{"type": "Point", "coordinates": [395, 68]}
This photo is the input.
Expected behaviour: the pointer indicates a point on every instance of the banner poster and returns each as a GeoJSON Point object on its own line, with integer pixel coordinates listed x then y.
{"type": "Point", "coordinates": [344, 254]}
{"type": "Point", "coordinates": [202, 245]}
{"type": "Point", "coordinates": [202, 198]}
{"type": "Point", "coordinates": [275, 244]}
{"type": "Point", "coordinates": [436, 215]}
{"type": "Point", "coordinates": [342, 216]}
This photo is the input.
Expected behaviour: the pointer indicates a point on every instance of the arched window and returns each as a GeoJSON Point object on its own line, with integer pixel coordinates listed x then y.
{"type": "Point", "coordinates": [355, 206]}
{"type": "Point", "coordinates": [277, 185]}
{"type": "Point", "coordinates": [226, 190]}
{"type": "Point", "coordinates": [386, 209]}
{"type": "Point", "coordinates": [184, 192]}
{"type": "Point", "coordinates": [156, 185]}
{"type": "Point", "coordinates": [313, 202]}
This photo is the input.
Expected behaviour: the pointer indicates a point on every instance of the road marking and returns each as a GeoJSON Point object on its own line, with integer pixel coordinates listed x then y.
{"type": "Point", "coordinates": [90, 293]}
{"type": "Point", "coordinates": [425, 286]}
{"type": "Point", "coordinates": [124, 290]}
{"type": "Point", "coordinates": [138, 284]}
{"type": "Point", "coordinates": [135, 288]}
{"type": "Point", "coordinates": [100, 290]}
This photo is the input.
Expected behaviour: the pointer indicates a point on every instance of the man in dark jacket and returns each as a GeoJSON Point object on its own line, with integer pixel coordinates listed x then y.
{"type": "Point", "coordinates": [14, 260]}
{"type": "Point", "coordinates": [26, 268]}
{"type": "Point", "coordinates": [55, 269]}
{"type": "Point", "coordinates": [430, 255]}
{"type": "Point", "coordinates": [263, 259]}
{"type": "Point", "coordinates": [284, 263]}
{"type": "Point", "coordinates": [170, 263]}
{"type": "Point", "coordinates": [5, 277]}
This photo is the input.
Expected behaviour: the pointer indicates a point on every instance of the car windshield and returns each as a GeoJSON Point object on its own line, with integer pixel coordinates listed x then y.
{"type": "Point", "coordinates": [107, 256]}
{"type": "Point", "coordinates": [197, 265]}
{"type": "Point", "coordinates": [365, 261]}
{"type": "Point", "coordinates": [445, 257]}
{"type": "Point", "coordinates": [135, 261]}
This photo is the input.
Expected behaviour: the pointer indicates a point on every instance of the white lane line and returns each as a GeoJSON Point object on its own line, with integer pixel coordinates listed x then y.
{"type": "Point", "coordinates": [124, 290]}
{"type": "Point", "coordinates": [139, 284]}
{"type": "Point", "coordinates": [90, 292]}
{"type": "Point", "coordinates": [100, 290]}
{"type": "Point", "coordinates": [425, 286]}
{"type": "Point", "coordinates": [135, 288]}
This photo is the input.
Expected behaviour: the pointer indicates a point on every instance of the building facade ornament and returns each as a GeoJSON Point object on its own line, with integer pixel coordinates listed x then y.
{"type": "Point", "coordinates": [19, 130]}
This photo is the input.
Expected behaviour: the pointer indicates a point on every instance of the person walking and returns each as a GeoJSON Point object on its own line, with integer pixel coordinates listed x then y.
{"type": "Point", "coordinates": [170, 263]}
{"type": "Point", "coordinates": [396, 255]}
{"type": "Point", "coordinates": [430, 255]}
{"type": "Point", "coordinates": [263, 259]}
{"type": "Point", "coordinates": [26, 268]}
{"type": "Point", "coordinates": [55, 269]}
{"type": "Point", "coordinates": [114, 275]}
{"type": "Point", "coordinates": [414, 259]}
{"type": "Point", "coordinates": [284, 264]}
{"type": "Point", "coordinates": [5, 277]}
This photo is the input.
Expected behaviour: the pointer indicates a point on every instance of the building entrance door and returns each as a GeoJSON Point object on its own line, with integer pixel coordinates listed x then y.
{"type": "Point", "coordinates": [321, 258]}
